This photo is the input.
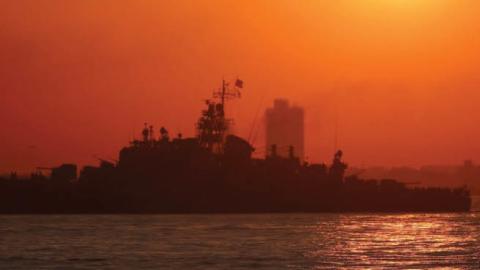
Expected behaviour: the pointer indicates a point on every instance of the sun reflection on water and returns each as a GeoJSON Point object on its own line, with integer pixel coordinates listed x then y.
{"type": "Point", "coordinates": [409, 240]}
{"type": "Point", "coordinates": [276, 241]}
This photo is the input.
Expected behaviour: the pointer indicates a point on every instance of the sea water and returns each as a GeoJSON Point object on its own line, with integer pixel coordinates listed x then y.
{"type": "Point", "coordinates": [259, 241]}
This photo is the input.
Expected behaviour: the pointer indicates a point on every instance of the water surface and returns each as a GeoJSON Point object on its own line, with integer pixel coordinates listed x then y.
{"type": "Point", "coordinates": [263, 241]}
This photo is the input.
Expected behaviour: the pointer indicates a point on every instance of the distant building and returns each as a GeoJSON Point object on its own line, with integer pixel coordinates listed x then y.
{"type": "Point", "coordinates": [285, 129]}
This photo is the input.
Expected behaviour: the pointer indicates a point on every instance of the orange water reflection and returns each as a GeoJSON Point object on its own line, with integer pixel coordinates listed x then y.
{"type": "Point", "coordinates": [415, 241]}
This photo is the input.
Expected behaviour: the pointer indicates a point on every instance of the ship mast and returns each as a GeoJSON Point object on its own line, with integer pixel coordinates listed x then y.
{"type": "Point", "coordinates": [223, 93]}
{"type": "Point", "coordinates": [213, 126]}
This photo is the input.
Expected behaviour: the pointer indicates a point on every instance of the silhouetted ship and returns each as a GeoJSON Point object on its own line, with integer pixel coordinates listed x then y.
{"type": "Point", "coordinates": [214, 172]}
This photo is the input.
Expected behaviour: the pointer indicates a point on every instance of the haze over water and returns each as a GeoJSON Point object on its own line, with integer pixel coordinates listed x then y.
{"type": "Point", "coordinates": [264, 241]}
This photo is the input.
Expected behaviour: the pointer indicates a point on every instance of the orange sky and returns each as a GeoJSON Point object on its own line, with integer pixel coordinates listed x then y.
{"type": "Point", "coordinates": [79, 78]}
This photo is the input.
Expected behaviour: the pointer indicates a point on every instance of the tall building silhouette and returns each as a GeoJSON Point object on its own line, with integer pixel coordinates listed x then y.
{"type": "Point", "coordinates": [285, 129]}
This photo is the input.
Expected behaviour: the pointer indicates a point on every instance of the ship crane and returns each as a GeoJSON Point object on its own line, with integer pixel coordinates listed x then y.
{"type": "Point", "coordinates": [106, 161]}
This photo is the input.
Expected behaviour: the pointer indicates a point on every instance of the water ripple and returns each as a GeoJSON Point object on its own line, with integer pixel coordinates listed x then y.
{"type": "Point", "coordinates": [281, 241]}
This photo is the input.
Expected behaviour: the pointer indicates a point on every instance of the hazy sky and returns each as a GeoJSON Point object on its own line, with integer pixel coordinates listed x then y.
{"type": "Point", "coordinates": [79, 78]}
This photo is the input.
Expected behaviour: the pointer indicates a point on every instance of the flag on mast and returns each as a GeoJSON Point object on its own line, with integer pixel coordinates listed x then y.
{"type": "Point", "coordinates": [239, 83]}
